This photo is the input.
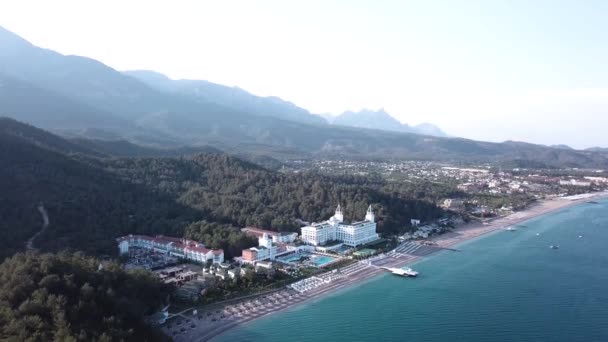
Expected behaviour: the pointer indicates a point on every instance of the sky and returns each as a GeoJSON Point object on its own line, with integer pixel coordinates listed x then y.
{"type": "Point", "coordinates": [492, 70]}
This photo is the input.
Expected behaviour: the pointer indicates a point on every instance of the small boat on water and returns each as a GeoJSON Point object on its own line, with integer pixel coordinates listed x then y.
{"type": "Point", "coordinates": [554, 247]}
{"type": "Point", "coordinates": [537, 234]}
{"type": "Point", "coordinates": [580, 236]}
{"type": "Point", "coordinates": [402, 272]}
{"type": "Point", "coordinates": [511, 229]}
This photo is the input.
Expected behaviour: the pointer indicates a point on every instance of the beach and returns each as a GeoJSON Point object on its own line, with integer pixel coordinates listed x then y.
{"type": "Point", "coordinates": [476, 229]}
{"type": "Point", "coordinates": [209, 324]}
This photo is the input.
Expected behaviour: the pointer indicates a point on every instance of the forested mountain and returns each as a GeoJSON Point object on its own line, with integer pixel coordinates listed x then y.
{"type": "Point", "coordinates": [68, 297]}
{"type": "Point", "coordinates": [88, 206]}
{"type": "Point", "coordinates": [230, 97]}
{"type": "Point", "coordinates": [48, 109]}
{"type": "Point", "coordinates": [91, 199]}
{"type": "Point", "coordinates": [78, 96]}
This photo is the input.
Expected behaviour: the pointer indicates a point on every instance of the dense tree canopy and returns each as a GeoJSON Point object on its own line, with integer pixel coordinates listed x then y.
{"type": "Point", "coordinates": [231, 191]}
{"type": "Point", "coordinates": [91, 200]}
{"type": "Point", "coordinates": [68, 297]}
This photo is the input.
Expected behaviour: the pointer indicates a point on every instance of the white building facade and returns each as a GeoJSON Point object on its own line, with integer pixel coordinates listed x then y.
{"type": "Point", "coordinates": [177, 247]}
{"type": "Point", "coordinates": [266, 250]}
{"type": "Point", "coordinates": [352, 235]}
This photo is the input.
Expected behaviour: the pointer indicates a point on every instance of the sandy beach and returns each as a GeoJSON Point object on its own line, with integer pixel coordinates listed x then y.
{"type": "Point", "coordinates": [476, 229]}
{"type": "Point", "coordinates": [208, 324]}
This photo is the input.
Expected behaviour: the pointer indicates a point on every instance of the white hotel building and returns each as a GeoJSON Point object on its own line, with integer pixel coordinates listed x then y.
{"type": "Point", "coordinates": [353, 234]}
{"type": "Point", "coordinates": [177, 247]}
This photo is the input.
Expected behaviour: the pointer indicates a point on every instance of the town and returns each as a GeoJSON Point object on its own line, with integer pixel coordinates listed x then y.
{"type": "Point", "coordinates": [482, 190]}
{"type": "Point", "coordinates": [211, 291]}
{"type": "Point", "coordinates": [285, 268]}
{"type": "Point", "coordinates": [298, 266]}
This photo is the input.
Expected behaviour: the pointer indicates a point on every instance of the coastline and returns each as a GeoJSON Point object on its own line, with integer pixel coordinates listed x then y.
{"type": "Point", "coordinates": [471, 231]}
{"type": "Point", "coordinates": [464, 233]}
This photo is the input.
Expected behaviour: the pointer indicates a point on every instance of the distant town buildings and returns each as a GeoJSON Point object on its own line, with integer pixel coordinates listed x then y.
{"type": "Point", "coordinates": [181, 248]}
{"type": "Point", "coordinates": [354, 234]}
{"type": "Point", "coordinates": [575, 182]}
{"type": "Point", "coordinates": [453, 204]}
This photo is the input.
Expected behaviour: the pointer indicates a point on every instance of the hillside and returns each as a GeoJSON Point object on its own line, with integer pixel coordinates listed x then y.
{"type": "Point", "coordinates": [67, 297]}
{"type": "Point", "coordinates": [82, 98]}
{"type": "Point", "coordinates": [92, 200]}
{"type": "Point", "coordinates": [230, 97]}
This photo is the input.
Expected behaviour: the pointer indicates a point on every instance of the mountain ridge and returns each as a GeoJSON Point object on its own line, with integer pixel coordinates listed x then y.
{"type": "Point", "coordinates": [231, 97]}
{"type": "Point", "coordinates": [381, 120]}
{"type": "Point", "coordinates": [101, 102]}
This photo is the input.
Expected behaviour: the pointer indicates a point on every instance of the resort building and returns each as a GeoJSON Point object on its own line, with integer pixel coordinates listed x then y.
{"type": "Point", "coordinates": [181, 248]}
{"type": "Point", "coordinates": [354, 234]}
{"type": "Point", "coordinates": [268, 249]}
{"type": "Point", "coordinates": [277, 237]}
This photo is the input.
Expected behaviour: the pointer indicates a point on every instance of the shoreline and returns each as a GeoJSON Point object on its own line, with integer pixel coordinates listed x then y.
{"type": "Point", "coordinates": [464, 233]}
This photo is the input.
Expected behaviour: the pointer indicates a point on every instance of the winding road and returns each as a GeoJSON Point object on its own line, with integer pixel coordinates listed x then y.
{"type": "Point", "coordinates": [29, 245]}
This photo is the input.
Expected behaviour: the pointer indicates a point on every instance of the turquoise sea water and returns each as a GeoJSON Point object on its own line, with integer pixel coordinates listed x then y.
{"type": "Point", "coordinates": [507, 286]}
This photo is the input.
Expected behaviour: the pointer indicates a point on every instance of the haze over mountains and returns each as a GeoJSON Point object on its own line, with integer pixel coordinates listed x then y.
{"type": "Point", "coordinates": [382, 120]}
{"type": "Point", "coordinates": [81, 97]}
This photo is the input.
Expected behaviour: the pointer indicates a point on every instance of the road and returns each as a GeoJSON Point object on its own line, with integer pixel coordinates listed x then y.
{"type": "Point", "coordinates": [29, 245]}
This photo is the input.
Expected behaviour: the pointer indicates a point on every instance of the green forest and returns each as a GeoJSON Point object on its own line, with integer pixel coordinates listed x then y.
{"type": "Point", "coordinates": [93, 200]}
{"type": "Point", "coordinates": [70, 297]}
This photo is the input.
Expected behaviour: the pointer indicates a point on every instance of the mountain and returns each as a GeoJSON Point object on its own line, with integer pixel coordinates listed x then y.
{"type": "Point", "coordinates": [381, 120]}
{"type": "Point", "coordinates": [366, 118]}
{"type": "Point", "coordinates": [597, 149]}
{"type": "Point", "coordinates": [92, 199]}
{"type": "Point", "coordinates": [327, 117]}
{"type": "Point", "coordinates": [230, 97]}
{"type": "Point", "coordinates": [82, 98]}
{"type": "Point", "coordinates": [429, 129]}
{"type": "Point", "coordinates": [562, 146]}
{"type": "Point", "coordinates": [35, 136]}
{"type": "Point", "coordinates": [46, 108]}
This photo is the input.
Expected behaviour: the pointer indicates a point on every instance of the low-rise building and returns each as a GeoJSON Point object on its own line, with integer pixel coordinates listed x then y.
{"type": "Point", "coordinates": [277, 237]}
{"type": "Point", "coordinates": [575, 182]}
{"type": "Point", "coordinates": [267, 250]}
{"type": "Point", "coordinates": [181, 248]}
{"type": "Point", "coordinates": [453, 204]}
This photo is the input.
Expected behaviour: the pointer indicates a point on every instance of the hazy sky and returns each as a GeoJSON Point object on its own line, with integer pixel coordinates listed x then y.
{"type": "Point", "coordinates": [492, 70]}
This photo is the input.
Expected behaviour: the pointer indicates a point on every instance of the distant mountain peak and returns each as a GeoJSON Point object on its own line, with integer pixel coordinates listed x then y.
{"type": "Point", "coordinates": [382, 120]}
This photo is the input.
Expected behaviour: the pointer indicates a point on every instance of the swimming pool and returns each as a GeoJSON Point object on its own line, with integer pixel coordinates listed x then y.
{"type": "Point", "coordinates": [292, 258]}
{"type": "Point", "coordinates": [315, 259]}
{"type": "Point", "coordinates": [320, 260]}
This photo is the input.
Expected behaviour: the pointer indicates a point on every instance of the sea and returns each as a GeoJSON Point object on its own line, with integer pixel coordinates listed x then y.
{"type": "Point", "coordinates": [504, 286]}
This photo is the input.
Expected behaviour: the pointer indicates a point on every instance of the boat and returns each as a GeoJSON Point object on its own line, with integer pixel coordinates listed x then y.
{"type": "Point", "coordinates": [537, 234]}
{"type": "Point", "coordinates": [554, 247]}
{"type": "Point", "coordinates": [511, 229]}
{"type": "Point", "coordinates": [580, 236]}
{"type": "Point", "coordinates": [402, 272]}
